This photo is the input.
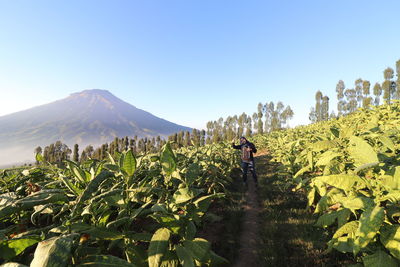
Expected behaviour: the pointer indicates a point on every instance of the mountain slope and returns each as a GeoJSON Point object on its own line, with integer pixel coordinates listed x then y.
{"type": "Point", "coordinates": [88, 117]}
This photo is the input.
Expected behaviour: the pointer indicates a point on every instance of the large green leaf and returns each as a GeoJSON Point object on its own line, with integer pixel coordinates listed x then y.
{"type": "Point", "coordinates": [7, 198]}
{"type": "Point", "coordinates": [91, 188]}
{"type": "Point", "coordinates": [39, 198]}
{"type": "Point", "coordinates": [167, 159]}
{"type": "Point", "coordinates": [54, 252]}
{"type": "Point", "coordinates": [361, 152]}
{"type": "Point", "coordinates": [311, 196]}
{"type": "Point", "coordinates": [343, 239]}
{"type": "Point", "coordinates": [129, 163]}
{"type": "Point", "coordinates": [370, 223]}
{"type": "Point", "coordinates": [199, 248]}
{"type": "Point", "coordinates": [137, 254]}
{"type": "Point", "coordinates": [78, 172]}
{"type": "Point", "coordinates": [13, 247]}
{"type": "Point", "coordinates": [327, 219]}
{"type": "Point", "coordinates": [70, 185]}
{"type": "Point", "coordinates": [170, 259]}
{"type": "Point", "coordinates": [342, 181]}
{"type": "Point", "coordinates": [204, 202]}
{"type": "Point", "coordinates": [390, 238]}
{"type": "Point", "coordinates": [39, 157]}
{"type": "Point", "coordinates": [323, 145]}
{"type": "Point", "coordinates": [158, 246]}
{"type": "Point", "coordinates": [387, 142]}
{"type": "Point", "coordinates": [356, 203]}
{"type": "Point", "coordinates": [379, 259]}
{"type": "Point", "coordinates": [391, 182]}
{"type": "Point", "coordinates": [184, 256]}
{"type": "Point", "coordinates": [327, 157]}
{"type": "Point", "coordinates": [393, 196]}
{"type": "Point", "coordinates": [347, 229]}
{"type": "Point", "coordinates": [302, 171]}
{"type": "Point", "coordinates": [192, 173]}
{"type": "Point", "coordinates": [105, 261]}
{"type": "Point", "coordinates": [343, 217]}
{"type": "Point", "coordinates": [182, 195]}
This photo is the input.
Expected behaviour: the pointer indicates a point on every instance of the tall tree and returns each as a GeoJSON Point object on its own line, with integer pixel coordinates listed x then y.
{"type": "Point", "coordinates": [195, 137]}
{"type": "Point", "coordinates": [249, 126]}
{"type": "Point", "coordinates": [340, 87]}
{"type": "Point", "coordinates": [116, 145]}
{"type": "Point", "coordinates": [158, 142]}
{"type": "Point", "coordinates": [278, 115]}
{"type": "Point", "coordinates": [202, 137]}
{"type": "Point", "coordinates": [377, 93]}
{"type": "Point", "coordinates": [75, 156]}
{"type": "Point", "coordinates": [312, 116]}
{"type": "Point", "coordinates": [132, 145]}
{"type": "Point", "coordinates": [38, 150]}
{"type": "Point", "coordinates": [126, 143]}
{"type": "Point", "coordinates": [388, 86]}
{"type": "Point", "coordinates": [83, 156]}
{"type": "Point", "coordinates": [187, 139]}
{"type": "Point", "coordinates": [351, 98]}
{"type": "Point", "coordinates": [241, 124]}
{"type": "Point", "coordinates": [255, 121]}
{"type": "Point", "coordinates": [358, 87]}
{"type": "Point", "coordinates": [209, 126]}
{"type": "Point", "coordinates": [397, 94]}
{"type": "Point", "coordinates": [318, 106]}
{"type": "Point", "coordinates": [325, 108]}
{"type": "Point", "coordinates": [367, 100]}
{"type": "Point", "coordinates": [259, 120]}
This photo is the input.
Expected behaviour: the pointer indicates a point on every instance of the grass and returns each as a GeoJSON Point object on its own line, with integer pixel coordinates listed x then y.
{"type": "Point", "coordinates": [289, 235]}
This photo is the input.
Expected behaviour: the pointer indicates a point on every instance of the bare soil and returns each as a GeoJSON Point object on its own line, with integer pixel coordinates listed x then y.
{"type": "Point", "coordinates": [250, 241]}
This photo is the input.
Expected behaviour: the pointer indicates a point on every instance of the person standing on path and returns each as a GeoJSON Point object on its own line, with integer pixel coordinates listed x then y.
{"type": "Point", "coordinates": [247, 148]}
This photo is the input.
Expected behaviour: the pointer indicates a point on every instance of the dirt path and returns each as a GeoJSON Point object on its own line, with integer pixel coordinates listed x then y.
{"type": "Point", "coordinates": [277, 229]}
{"type": "Point", "coordinates": [250, 241]}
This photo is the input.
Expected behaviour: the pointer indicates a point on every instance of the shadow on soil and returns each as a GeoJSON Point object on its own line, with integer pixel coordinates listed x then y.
{"type": "Point", "coordinates": [289, 235]}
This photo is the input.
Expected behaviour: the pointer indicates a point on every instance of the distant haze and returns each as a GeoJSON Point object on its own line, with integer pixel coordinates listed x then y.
{"type": "Point", "coordinates": [88, 117]}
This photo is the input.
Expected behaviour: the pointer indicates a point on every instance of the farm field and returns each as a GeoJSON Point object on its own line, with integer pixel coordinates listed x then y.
{"type": "Point", "coordinates": [348, 169]}
{"type": "Point", "coordinates": [328, 195]}
{"type": "Point", "coordinates": [130, 211]}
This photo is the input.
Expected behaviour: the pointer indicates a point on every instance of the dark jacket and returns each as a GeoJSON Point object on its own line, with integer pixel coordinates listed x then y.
{"type": "Point", "coordinates": [251, 145]}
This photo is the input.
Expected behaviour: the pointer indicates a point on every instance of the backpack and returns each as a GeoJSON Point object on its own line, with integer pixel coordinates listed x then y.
{"type": "Point", "coordinates": [245, 154]}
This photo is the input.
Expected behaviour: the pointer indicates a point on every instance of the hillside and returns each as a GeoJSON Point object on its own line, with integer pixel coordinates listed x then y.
{"type": "Point", "coordinates": [88, 117]}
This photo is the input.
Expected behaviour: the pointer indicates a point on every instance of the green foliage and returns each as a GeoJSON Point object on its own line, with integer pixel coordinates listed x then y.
{"type": "Point", "coordinates": [158, 246]}
{"type": "Point", "coordinates": [390, 238]}
{"type": "Point", "coordinates": [126, 210]}
{"type": "Point", "coordinates": [167, 159]}
{"type": "Point", "coordinates": [11, 248]}
{"type": "Point", "coordinates": [349, 169]}
{"type": "Point", "coordinates": [55, 251]}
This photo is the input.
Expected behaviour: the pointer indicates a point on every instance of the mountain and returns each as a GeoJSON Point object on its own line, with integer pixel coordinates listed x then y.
{"type": "Point", "coordinates": [88, 117]}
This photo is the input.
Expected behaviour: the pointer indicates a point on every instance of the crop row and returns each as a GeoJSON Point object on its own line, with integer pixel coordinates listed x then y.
{"type": "Point", "coordinates": [125, 211]}
{"type": "Point", "coordinates": [350, 170]}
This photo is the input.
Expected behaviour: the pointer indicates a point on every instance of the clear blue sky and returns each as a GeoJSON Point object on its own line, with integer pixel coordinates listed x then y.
{"type": "Point", "coordinates": [193, 61]}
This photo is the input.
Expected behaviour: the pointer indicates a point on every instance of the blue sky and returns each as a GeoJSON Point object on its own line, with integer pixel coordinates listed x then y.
{"type": "Point", "coordinates": [193, 61]}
